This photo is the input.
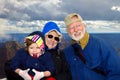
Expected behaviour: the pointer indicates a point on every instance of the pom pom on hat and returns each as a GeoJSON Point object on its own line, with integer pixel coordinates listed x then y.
{"type": "Point", "coordinates": [68, 20]}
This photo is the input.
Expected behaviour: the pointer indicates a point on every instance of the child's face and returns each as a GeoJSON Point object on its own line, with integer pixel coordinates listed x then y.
{"type": "Point", "coordinates": [34, 50]}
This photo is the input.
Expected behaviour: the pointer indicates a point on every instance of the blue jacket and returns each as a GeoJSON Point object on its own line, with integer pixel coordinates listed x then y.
{"type": "Point", "coordinates": [98, 55]}
{"type": "Point", "coordinates": [24, 61]}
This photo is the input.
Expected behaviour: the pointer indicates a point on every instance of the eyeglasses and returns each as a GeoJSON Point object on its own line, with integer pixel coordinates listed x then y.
{"type": "Point", "coordinates": [76, 26]}
{"type": "Point", "coordinates": [55, 38]}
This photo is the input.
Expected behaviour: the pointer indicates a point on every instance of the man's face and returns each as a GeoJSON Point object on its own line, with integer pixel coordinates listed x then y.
{"type": "Point", "coordinates": [76, 30]}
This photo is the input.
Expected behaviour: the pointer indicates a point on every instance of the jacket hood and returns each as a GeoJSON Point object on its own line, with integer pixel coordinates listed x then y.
{"type": "Point", "coordinates": [50, 26]}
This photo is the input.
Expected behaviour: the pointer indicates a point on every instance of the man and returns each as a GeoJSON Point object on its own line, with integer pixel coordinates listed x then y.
{"type": "Point", "coordinates": [89, 58]}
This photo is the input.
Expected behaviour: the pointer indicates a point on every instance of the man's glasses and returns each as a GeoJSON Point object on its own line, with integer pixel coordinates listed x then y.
{"type": "Point", "coordinates": [55, 38]}
{"type": "Point", "coordinates": [76, 26]}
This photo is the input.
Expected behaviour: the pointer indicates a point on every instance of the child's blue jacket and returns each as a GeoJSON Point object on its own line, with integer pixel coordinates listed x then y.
{"type": "Point", "coordinates": [24, 61]}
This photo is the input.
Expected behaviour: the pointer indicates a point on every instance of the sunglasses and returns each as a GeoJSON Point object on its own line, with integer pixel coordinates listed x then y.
{"type": "Point", "coordinates": [55, 38]}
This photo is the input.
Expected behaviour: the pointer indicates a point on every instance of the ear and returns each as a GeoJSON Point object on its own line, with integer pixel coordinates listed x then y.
{"type": "Point", "coordinates": [84, 25]}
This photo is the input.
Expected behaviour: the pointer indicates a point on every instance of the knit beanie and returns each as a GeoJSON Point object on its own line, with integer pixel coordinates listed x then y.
{"type": "Point", "coordinates": [50, 26]}
{"type": "Point", "coordinates": [37, 38]}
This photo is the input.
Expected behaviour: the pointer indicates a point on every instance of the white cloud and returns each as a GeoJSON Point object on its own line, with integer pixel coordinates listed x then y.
{"type": "Point", "coordinates": [115, 8]}
{"type": "Point", "coordinates": [3, 28]}
{"type": "Point", "coordinates": [29, 9]}
{"type": "Point", "coordinates": [103, 26]}
{"type": "Point", "coordinates": [8, 26]}
{"type": "Point", "coordinates": [55, 9]}
{"type": "Point", "coordinates": [23, 26]}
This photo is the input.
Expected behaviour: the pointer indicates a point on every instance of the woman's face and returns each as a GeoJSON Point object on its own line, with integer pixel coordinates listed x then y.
{"type": "Point", "coordinates": [51, 39]}
{"type": "Point", "coordinates": [34, 50]}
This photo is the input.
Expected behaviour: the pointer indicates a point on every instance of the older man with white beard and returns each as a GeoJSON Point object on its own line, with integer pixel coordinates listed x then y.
{"type": "Point", "coordinates": [89, 57]}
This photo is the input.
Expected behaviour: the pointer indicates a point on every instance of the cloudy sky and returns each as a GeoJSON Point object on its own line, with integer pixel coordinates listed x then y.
{"type": "Point", "coordinates": [25, 15]}
{"type": "Point", "coordinates": [58, 9]}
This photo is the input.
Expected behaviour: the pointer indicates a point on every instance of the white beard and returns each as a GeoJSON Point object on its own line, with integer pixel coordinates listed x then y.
{"type": "Point", "coordinates": [79, 37]}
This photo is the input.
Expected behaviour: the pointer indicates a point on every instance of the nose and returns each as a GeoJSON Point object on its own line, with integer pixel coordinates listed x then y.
{"type": "Point", "coordinates": [35, 49]}
{"type": "Point", "coordinates": [75, 28]}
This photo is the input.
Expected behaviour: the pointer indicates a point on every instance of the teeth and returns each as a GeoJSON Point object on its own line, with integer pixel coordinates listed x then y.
{"type": "Point", "coordinates": [77, 33]}
{"type": "Point", "coordinates": [51, 43]}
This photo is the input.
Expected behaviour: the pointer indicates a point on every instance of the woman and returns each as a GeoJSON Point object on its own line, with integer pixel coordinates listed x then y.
{"type": "Point", "coordinates": [53, 37]}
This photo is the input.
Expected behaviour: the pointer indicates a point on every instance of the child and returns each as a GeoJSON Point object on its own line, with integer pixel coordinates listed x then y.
{"type": "Point", "coordinates": [31, 63]}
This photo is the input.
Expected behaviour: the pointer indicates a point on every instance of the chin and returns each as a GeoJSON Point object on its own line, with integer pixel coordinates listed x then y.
{"type": "Point", "coordinates": [76, 39]}
{"type": "Point", "coordinates": [50, 47]}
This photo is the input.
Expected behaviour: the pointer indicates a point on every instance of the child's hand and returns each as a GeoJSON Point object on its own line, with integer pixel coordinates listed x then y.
{"type": "Point", "coordinates": [38, 75]}
{"type": "Point", "coordinates": [24, 74]}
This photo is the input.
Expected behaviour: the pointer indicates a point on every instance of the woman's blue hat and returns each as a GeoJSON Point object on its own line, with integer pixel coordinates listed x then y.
{"type": "Point", "coordinates": [50, 26]}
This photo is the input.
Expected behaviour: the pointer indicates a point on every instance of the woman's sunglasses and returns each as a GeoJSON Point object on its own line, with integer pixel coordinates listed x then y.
{"type": "Point", "coordinates": [55, 38]}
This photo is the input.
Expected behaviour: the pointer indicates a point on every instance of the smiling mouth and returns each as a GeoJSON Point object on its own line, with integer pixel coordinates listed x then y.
{"type": "Point", "coordinates": [35, 55]}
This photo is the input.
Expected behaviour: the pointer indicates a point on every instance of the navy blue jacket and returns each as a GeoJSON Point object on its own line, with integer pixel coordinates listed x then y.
{"type": "Point", "coordinates": [24, 61]}
{"type": "Point", "coordinates": [98, 55]}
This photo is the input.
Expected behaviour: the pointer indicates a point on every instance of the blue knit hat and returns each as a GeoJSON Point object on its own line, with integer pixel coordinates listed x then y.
{"type": "Point", "coordinates": [50, 26]}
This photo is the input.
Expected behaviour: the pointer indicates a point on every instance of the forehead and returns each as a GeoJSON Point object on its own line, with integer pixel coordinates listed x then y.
{"type": "Point", "coordinates": [53, 32]}
{"type": "Point", "coordinates": [75, 23]}
{"type": "Point", "coordinates": [33, 45]}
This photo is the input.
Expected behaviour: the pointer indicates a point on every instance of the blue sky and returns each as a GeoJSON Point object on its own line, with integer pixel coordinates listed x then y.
{"type": "Point", "coordinates": [29, 15]}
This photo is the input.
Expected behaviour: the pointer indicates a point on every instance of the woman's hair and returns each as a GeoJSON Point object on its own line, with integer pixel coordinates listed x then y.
{"type": "Point", "coordinates": [28, 43]}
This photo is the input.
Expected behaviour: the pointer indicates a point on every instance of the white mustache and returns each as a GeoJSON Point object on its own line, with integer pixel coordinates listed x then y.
{"type": "Point", "coordinates": [80, 33]}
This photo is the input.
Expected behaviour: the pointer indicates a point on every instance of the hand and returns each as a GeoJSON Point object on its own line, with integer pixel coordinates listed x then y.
{"type": "Point", "coordinates": [38, 75]}
{"type": "Point", "coordinates": [24, 74]}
